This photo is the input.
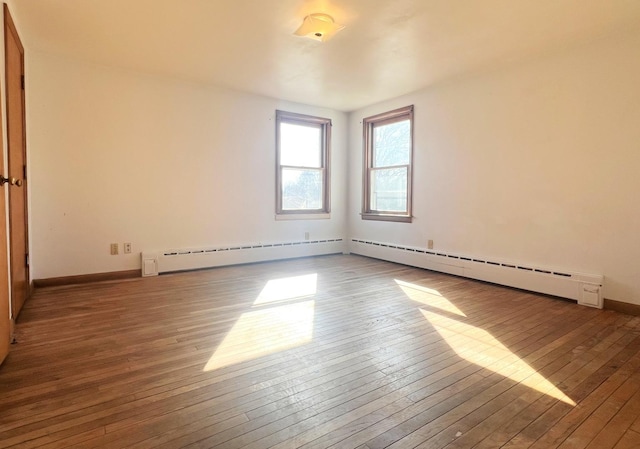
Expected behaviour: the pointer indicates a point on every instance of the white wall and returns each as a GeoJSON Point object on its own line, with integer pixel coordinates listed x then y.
{"type": "Point", "coordinates": [118, 156]}
{"type": "Point", "coordinates": [537, 163]}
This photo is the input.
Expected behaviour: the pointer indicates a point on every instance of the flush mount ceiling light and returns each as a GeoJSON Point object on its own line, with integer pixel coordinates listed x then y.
{"type": "Point", "coordinates": [318, 26]}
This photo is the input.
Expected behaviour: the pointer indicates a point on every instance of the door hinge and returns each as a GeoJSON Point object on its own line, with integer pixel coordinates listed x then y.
{"type": "Point", "coordinates": [26, 260]}
{"type": "Point", "coordinates": [22, 81]}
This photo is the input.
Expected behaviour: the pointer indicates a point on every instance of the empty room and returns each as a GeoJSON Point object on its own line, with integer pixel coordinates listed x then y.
{"type": "Point", "coordinates": [320, 224]}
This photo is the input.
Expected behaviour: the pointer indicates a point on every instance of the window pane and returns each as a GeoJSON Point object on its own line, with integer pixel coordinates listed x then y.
{"type": "Point", "coordinates": [301, 189]}
{"type": "Point", "coordinates": [389, 189]}
{"type": "Point", "coordinates": [392, 144]}
{"type": "Point", "coordinates": [300, 146]}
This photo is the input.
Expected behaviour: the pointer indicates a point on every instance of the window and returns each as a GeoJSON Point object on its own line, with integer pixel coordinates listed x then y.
{"type": "Point", "coordinates": [302, 164]}
{"type": "Point", "coordinates": [388, 148]}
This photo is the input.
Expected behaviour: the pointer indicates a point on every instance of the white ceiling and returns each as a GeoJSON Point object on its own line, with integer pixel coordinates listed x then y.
{"type": "Point", "coordinates": [388, 48]}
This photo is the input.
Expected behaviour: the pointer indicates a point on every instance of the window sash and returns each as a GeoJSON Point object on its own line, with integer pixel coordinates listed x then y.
{"type": "Point", "coordinates": [289, 156]}
{"type": "Point", "coordinates": [378, 152]}
{"type": "Point", "coordinates": [386, 197]}
{"type": "Point", "coordinates": [302, 200]}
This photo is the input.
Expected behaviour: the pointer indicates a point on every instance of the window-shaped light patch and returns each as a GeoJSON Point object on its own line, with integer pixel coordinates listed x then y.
{"type": "Point", "coordinates": [428, 297]}
{"type": "Point", "coordinates": [288, 288]}
{"type": "Point", "coordinates": [281, 318]}
{"type": "Point", "coordinates": [476, 345]}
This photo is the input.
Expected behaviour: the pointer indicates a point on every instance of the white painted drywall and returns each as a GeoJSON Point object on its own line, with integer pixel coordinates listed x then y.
{"type": "Point", "coordinates": [531, 163]}
{"type": "Point", "coordinates": [119, 156]}
{"type": "Point", "coordinates": [538, 163]}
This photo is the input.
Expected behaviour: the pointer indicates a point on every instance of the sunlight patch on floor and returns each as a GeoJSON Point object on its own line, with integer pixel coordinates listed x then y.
{"type": "Point", "coordinates": [281, 318]}
{"type": "Point", "coordinates": [480, 347]}
{"type": "Point", "coordinates": [428, 296]}
{"type": "Point", "coordinates": [288, 288]}
{"type": "Point", "coordinates": [477, 345]}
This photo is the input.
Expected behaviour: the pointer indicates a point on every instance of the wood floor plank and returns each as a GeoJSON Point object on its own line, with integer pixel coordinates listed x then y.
{"type": "Point", "coordinates": [506, 412]}
{"type": "Point", "coordinates": [630, 440]}
{"type": "Point", "coordinates": [552, 427]}
{"type": "Point", "coordinates": [478, 416]}
{"type": "Point", "coordinates": [395, 357]}
{"type": "Point", "coordinates": [610, 415]}
{"type": "Point", "coordinates": [411, 430]}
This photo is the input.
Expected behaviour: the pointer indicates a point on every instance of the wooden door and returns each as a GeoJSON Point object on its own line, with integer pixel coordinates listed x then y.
{"type": "Point", "coordinates": [18, 218]}
{"type": "Point", "coordinates": [5, 318]}
{"type": "Point", "coordinates": [5, 313]}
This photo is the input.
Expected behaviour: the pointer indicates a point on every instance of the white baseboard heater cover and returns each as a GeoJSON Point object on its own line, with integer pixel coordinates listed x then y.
{"type": "Point", "coordinates": [149, 264]}
{"type": "Point", "coordinates": [586, 289]}
{"type": "Point", "coordinates": [156, 262]}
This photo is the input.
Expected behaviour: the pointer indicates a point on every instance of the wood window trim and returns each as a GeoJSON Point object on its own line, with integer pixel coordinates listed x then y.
{"type": "Point", "coordinates": [325, 126]}
{"type": "Point", "coordinates": [385, 118]}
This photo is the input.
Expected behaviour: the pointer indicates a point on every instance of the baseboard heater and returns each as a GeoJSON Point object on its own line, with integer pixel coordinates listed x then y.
{"type": "Point", "coordinates": [155, 262]}
{"type": "Point", "coordinates": [586, 289]}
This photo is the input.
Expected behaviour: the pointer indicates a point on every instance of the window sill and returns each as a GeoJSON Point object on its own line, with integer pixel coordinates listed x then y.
{"type": "Point", "coordinates": [320, 216]}
{"type": "Point", "coordinates": [387, 217]}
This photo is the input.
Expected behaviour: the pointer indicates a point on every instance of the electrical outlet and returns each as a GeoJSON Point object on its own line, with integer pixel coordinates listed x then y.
{"type": "Point", "coordinates": [306, 235]}
{"type": "Point", "coordinates": [429, 244]}
{"type": "Point", "coordinates": [114, 249]}
{"type": "Point", "coordinates": [126, 248]}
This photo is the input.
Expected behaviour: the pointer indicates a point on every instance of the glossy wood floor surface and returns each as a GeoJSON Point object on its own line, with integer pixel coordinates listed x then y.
{"type": "Point", "coordinates": [334, 351]}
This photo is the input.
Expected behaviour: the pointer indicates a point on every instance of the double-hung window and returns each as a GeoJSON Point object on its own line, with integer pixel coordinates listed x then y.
{"type": "Point", "coordinates": [302, 160]}
{"type": "Point", "coordinates": [388, 155]}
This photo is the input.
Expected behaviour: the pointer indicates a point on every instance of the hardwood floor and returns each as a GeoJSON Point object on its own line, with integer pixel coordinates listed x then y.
{"type": "Point", "coordinates": [334, 351]}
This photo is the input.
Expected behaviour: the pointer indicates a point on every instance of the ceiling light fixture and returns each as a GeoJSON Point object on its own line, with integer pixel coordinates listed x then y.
{"type": "Point", "coordinates": [319, 27]}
